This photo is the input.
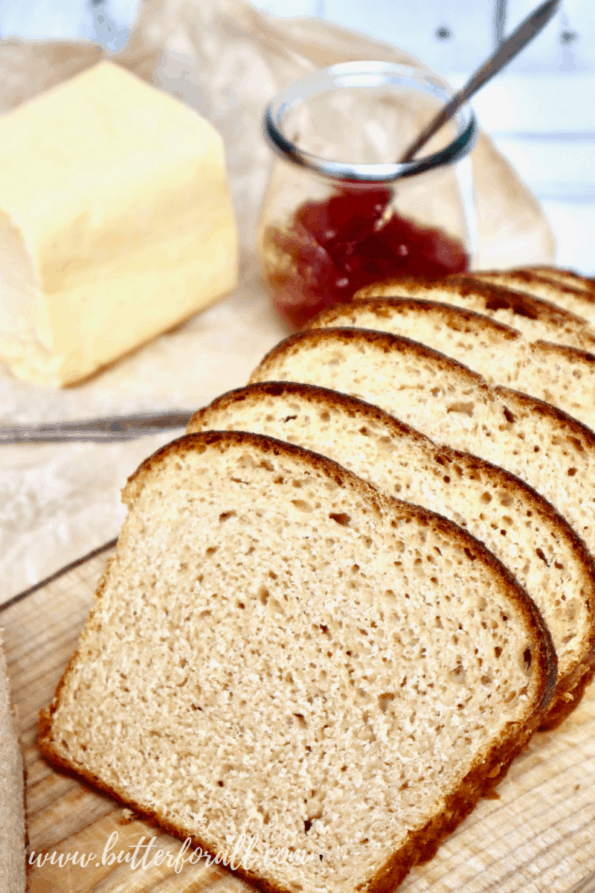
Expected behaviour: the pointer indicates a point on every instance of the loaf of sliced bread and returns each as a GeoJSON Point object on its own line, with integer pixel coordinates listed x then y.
{"type": "Point", "coordinates": [279, 651]}
{"type": "Point", "coordinates": [446, 401]}
{"type": "Point", "coordinates": [569, 297]}
{"type": "Point", "coordinates": [562, 376]}
{"type": "Point", "coordinates": [535, 318]}
{"type": "Point", "coordinates": [518, 526]}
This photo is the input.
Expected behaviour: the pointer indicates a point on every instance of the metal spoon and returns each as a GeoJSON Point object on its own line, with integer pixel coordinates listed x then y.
{"type": "Point", "coordinates": [507, 51]}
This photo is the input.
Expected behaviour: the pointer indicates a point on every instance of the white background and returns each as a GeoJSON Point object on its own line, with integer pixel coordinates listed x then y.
{"type": "Point", "coordinates": [540, 111]}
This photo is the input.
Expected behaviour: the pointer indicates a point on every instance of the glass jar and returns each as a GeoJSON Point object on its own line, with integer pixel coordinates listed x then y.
{"type": "Point", "coordinates": [341, 212]}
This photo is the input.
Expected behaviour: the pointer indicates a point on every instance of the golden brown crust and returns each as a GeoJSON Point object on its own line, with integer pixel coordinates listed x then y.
{"type": "Point", "coordinates": [500, 297]}
{"type": "Point", "coordinates": [482, 777]}
{"type": "Point", "coordinates": [564, 276]}
{"type": "Point", "coordinates": [381, 340]}
{"type": "Point", "coordinates": [534, 405]}
{"type": "Point", "coordinates": [529, 280]}
{"type": "Point", "coordinates": [312, 394]}
{"type": "Point", "coordinates": [571, 353]}
{"type": "Point", "coordinates": [531, 404]}
{"type": "Point", "coordinates": [494, 297]}
{"type": "Point", "coordinates": [562, 706]}
{"type": "Point", "coordinates": [457, 317]}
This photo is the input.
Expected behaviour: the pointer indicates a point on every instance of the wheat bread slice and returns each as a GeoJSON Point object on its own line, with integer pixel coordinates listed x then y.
{"type": "Point", "coordinates": [562, 376]}
{"type": "Point", "coordinates": [523, 530]}
{"type": "Point", "coordinates": [450, 404]}
{"type": "Point", "coordinates": [575, 300]}
{"type": "Point", "coordinates": [534, 317]}
{"type": "Point", "coordinates": [277, 650]}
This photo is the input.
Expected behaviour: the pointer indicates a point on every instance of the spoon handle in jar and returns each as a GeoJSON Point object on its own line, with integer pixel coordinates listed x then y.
{"type": "Point", "coordinates": [507, 51]}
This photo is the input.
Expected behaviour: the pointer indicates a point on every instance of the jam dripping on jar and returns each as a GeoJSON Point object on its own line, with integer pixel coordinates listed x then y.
{"type": "Point", "coordinates": [334, 247]}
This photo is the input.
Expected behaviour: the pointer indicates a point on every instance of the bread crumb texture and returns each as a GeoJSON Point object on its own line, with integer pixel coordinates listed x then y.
{"type": "Point", "coordinates": [454, 406]}
{"type": "Point", "coordinates": [513, 521]}
{"type": "Point", "coordinates": [562, 376]}
{"type": "Point", "coordinates": [279, 650]}
{"type": "Point", "coordinates": [534, 317]}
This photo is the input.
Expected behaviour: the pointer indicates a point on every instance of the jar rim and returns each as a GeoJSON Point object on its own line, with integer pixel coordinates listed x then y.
{"type": "Point", "coordinates": [365, 74]}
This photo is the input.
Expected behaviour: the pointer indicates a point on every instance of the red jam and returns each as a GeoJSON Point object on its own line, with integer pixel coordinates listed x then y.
{"type": "Point", "coordinates": [337, 246]}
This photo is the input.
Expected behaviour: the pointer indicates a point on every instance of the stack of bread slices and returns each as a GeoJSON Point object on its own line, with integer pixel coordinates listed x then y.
{"type": "Point", "coordinates": [342, 603]}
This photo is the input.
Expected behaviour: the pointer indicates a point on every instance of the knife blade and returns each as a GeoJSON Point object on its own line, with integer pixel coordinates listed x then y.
{"type": "Point", "coordinates": [104, 429]}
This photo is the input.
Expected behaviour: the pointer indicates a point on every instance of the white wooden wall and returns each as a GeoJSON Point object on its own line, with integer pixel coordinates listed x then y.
{"type": "Point", "coordinates": [456, 35]}
{"type": "Point", "coordinates": [540, 111]}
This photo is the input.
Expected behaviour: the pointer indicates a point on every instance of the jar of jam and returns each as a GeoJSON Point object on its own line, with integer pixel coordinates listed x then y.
{"type": "Point", "coordinates": [341, 211]}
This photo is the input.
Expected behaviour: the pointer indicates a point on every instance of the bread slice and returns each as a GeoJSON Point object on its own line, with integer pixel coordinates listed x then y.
{"type": "Point", "coordinates": [535, 318]}
{"type": "Point", "coordinates": [279, 651]}
{"type": "Point", "coordinates": [452, 405]}
{"type": "Point", "coordinates": [575, 300]}
{"type": "Point", "coordinates": [562, 376]}
{"type": "Point", "coordinates": [12, 800]}
{"type": "Point", "coordinates": [524, 532]}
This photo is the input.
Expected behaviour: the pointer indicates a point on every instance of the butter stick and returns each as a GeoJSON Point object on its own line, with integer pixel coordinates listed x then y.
{"type": "Point", "coordinates": [116, 223]}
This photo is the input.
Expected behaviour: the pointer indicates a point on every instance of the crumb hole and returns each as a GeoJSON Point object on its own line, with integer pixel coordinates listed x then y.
{"type": "Point", "coordinates": [340, 518]}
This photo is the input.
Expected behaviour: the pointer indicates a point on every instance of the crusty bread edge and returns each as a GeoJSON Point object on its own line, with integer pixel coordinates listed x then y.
{"type": "Point", "coordinates": [453, 313]}
{"type": "Point", "coordinates": [566, 350]}
{"type": "Point", "coordinates": [495, 297]}
{"type": "Point", "coordinates": [387, 342]}
{"type": "Point", "coordinates": [420, 305]}
{"type": "Point", "coordinates": [312, 394]}
{"type": "Point", "coordinates": [558, 275]}
{"type": "Point", "coordinates": [517, 279]}
{"type": "Point", "coordinates": [347, 335]}
{"type": "Point", "coordinates": [422, 843]}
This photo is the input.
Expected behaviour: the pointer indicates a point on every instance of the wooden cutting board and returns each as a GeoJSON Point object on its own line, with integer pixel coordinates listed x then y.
{"type": "Point", "coordinates": [538, 837]}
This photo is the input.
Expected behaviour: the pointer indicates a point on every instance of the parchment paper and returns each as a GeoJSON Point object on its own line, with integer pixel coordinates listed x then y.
{"type": "Point", "coordinates": [227, 60]}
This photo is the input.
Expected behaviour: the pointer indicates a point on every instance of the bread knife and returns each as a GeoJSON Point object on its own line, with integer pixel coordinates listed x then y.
{"type": "Point", "coordinates": [105, 429]}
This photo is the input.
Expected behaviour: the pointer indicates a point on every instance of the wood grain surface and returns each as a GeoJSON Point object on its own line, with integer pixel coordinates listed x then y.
{"type": "Point", "coordinates": [537, 837]}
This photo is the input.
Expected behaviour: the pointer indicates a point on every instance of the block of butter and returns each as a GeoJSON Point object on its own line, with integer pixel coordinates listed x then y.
{"type": "Point", "coordinates": [116, 223]}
